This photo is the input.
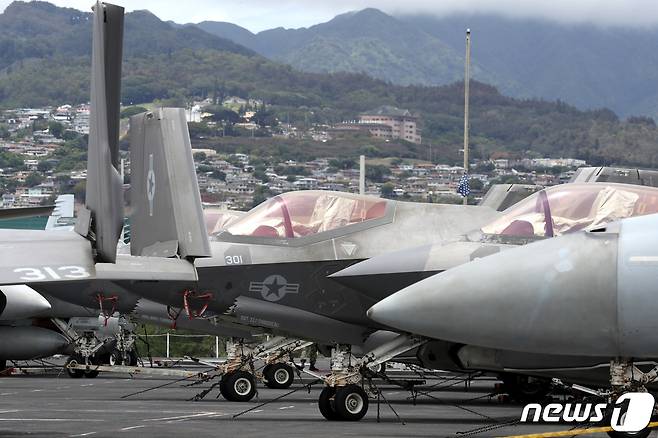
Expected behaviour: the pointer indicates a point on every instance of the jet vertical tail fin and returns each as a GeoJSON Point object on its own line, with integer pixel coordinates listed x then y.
{"type": "Point", "coordinates": [102, 219]}
{"type": "Point", "coordinates": [167, 218]}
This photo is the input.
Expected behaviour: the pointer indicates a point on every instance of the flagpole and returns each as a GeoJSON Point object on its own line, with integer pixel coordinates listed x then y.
{"type": "Point", "coordinates": [467, 80]}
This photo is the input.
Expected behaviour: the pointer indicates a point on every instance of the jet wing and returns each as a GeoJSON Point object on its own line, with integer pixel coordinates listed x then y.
{"type": "Point", "coordinates": [31, 256]}
{"type": "Point", "coordinates": [61, 263]}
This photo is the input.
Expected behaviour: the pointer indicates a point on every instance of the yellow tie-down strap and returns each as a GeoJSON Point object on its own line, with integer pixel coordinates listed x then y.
{"type": "Point", "coordinates": [572, 432]}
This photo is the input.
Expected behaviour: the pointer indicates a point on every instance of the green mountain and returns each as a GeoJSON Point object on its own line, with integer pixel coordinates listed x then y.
{"type": "Point", "coordinates": [42, 30]}
{"type": "Point", "coordinates": [589, 66]}
{"type": "Point", "coordinates": [366, 41]}
{"type": "Point", "coordinates": [189, 63]}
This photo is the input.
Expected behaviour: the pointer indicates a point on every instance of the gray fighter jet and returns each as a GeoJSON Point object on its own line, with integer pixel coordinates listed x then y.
{"type": "Point", "coordinates": [589, 293]}
{"type": "Point", "coordinates": [554, 211]}
{"type": "Point", "coordinates": [86, 259]}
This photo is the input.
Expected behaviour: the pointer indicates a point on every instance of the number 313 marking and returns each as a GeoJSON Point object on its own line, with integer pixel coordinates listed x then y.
{"type": "Point", "coordinates": [47, 273]}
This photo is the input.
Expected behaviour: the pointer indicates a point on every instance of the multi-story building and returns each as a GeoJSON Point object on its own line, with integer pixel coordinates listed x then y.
{"type": "Point", "coordinates": [391, 122]}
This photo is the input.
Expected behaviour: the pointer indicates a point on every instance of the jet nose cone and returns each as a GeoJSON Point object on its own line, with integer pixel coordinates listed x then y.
{"type": "Point", "coordinates": [21, 302]}
{"type": "Point", "coordinates": [532, 298]}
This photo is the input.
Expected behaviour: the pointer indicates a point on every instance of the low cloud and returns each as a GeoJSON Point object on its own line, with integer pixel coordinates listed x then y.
{"type": "Point", "coordinates": [258, 15]}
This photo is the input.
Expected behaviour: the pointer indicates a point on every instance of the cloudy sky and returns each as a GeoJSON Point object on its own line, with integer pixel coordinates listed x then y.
{"type": "Point", "coordinates": [257, 15]}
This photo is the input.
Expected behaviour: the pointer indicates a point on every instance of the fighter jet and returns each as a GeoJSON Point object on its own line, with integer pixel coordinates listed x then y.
{"type": "Point", "coordinates": [85, 259]}
{"type": "Point", "coordinates": [169, 242]}
{"type": "Point", "coordinates": [554, 211]}
{"type": "Point", "coordinates": [588, 293]}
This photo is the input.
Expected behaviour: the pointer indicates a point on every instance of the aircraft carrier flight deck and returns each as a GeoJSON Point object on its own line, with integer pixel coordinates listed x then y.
{"type": "Point", "coordinates": [53, 405]}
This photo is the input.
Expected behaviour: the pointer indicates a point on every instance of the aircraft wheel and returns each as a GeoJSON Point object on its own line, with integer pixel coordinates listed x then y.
{"type": "Point", "coordinates": [94, 360]}
{"type": "Point", "coordinates": [115, 358]}
{"type": "Point", "coordinates": [74, 374]}
{"type": "Point", "coordinates": [239, 386]}
{"type": "Point", "coordinates": [278, 376]}
{"type": "Point", "coordinates": [644, 433]}
{"type": "Point", "coordinates": [133, 360]}
{"type": "Point", "coordinates": [351, 402]}
{"type": "Point", "coordinates": [326, 404]}
{"type": "Point", "coordinates": [525, 389]}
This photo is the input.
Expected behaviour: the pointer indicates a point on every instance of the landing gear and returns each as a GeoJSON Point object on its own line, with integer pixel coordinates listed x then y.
{"type": "Point", "coordinates": [238, 386]}
{"type": "Point", "coordinates": [74, 373]}
{"type": "Point", "coordinates": [345, 403]}
{"type": "Point", "coordinates": [344, 397]}
{"type": "Point", "coordinates": [326, 403]}
{"type": "Point", "coordinates": [278, 375]}
{"type": "Point", "coordinates": [128, 358]}
{"type": "Point", "coordinates": [351, 403]}
{"type": "Point", "coordinates": [625, 377]}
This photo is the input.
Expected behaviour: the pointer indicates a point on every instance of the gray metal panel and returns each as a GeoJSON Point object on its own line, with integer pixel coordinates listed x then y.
{"type": "Point", "coordinates": [104, 185]}
{"type": "Point", "coordinates": [30, 256]}
{"type": "Point", "coordinates": [633, 176]}
{"type": "Point", "coordinates": [637, 290]}
{"type": "Point", "coordinates": [165, 193]}
{"type": "Point", "coordinates": [23, 343]}
{"type": "Point", "coordinates": [501, 196]}
{"type": "Point", "coordinates": [297, 322]}
{"type": "Point", "coordinates": [556, 296]}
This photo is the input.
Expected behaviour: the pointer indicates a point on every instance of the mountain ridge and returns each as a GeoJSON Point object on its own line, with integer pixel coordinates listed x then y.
{"type": "Point", "coordinates": [172, 67]}
{"type": "Point", "coordinates": [587, 65]}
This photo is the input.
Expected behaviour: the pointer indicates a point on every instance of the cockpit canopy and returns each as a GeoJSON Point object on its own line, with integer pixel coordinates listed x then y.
{"type": "Point", "coordinates": [568, 208]}
{"type": "Point", "coordinates": [305, 213]}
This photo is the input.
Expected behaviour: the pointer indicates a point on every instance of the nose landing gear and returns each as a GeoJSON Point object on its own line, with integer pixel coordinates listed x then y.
{"type": "Point", "coordinates": [344, 397]}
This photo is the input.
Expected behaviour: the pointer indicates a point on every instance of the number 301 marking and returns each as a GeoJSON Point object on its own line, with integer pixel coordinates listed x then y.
{"type": "Point", "coordinates": [233, 260]}
{"type": "Point", "coordinates": [48, 273]}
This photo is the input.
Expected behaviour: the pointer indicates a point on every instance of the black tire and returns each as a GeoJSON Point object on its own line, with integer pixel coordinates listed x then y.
{"type": "Point", "coordinates": [278, 376]}
{"type": "Point", "coordinates": [326, 403]}
{"type": "Point", "coordinates": [91, 374]}
{"type": "Point", "coordinates": [614, 434]}
{"type": "Point", "coordinates": [239, 386]}
{"type": "Point", "coordinates": [133, 360]}
{"type": "Point", "coordinates": [351, 403]}
{"type": "Point", "coordinates": [644, 433]}
{"type": "Point", "coordinates": [74, 374]}
{"type": "Point", "coordinates": [94, 360]}
{"type": "Point", "coordinates": [114, 358]}
{"type": "Point", "coordinates": [222, 387]}
{"type": "Point", "coordinates": [525, 389]}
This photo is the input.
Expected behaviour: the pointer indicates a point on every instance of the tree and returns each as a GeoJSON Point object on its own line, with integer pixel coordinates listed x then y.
{"type": "Point", "coordinates": [261, 193]}
{"type": "Point", "coordinates": [377, 173]}
{"type": "Point", "coordinates": [343, 163]}
{"type": "Point", "coordinates": [33, 179]}
{"type": "Point", "coordinates": [387, 190]}
{"type": "Point", "coordinates": [200, 156]}
{"type": "Point", "coordinates": [45, 166]}
{"type": "Point", "coordinates": [265, 117]}
{"type": "Point", "coordinates": [80, 190]}
{"type": "Point", "coordinates": [475, 184]}
{"type": "Point", "coordinates": [132, 110]}
{"type": "Point", "coordinates": [56, 129]}
{"type": "Point", "coordinates": [221, 114]}
{"type": "Point", "coordinates": [4, 132]}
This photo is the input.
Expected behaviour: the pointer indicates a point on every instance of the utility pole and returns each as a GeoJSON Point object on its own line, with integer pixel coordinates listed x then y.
{"type": "Point", "coordinates": [362, 175]}
{"type": "Point", "coordinates": [467, 80]}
